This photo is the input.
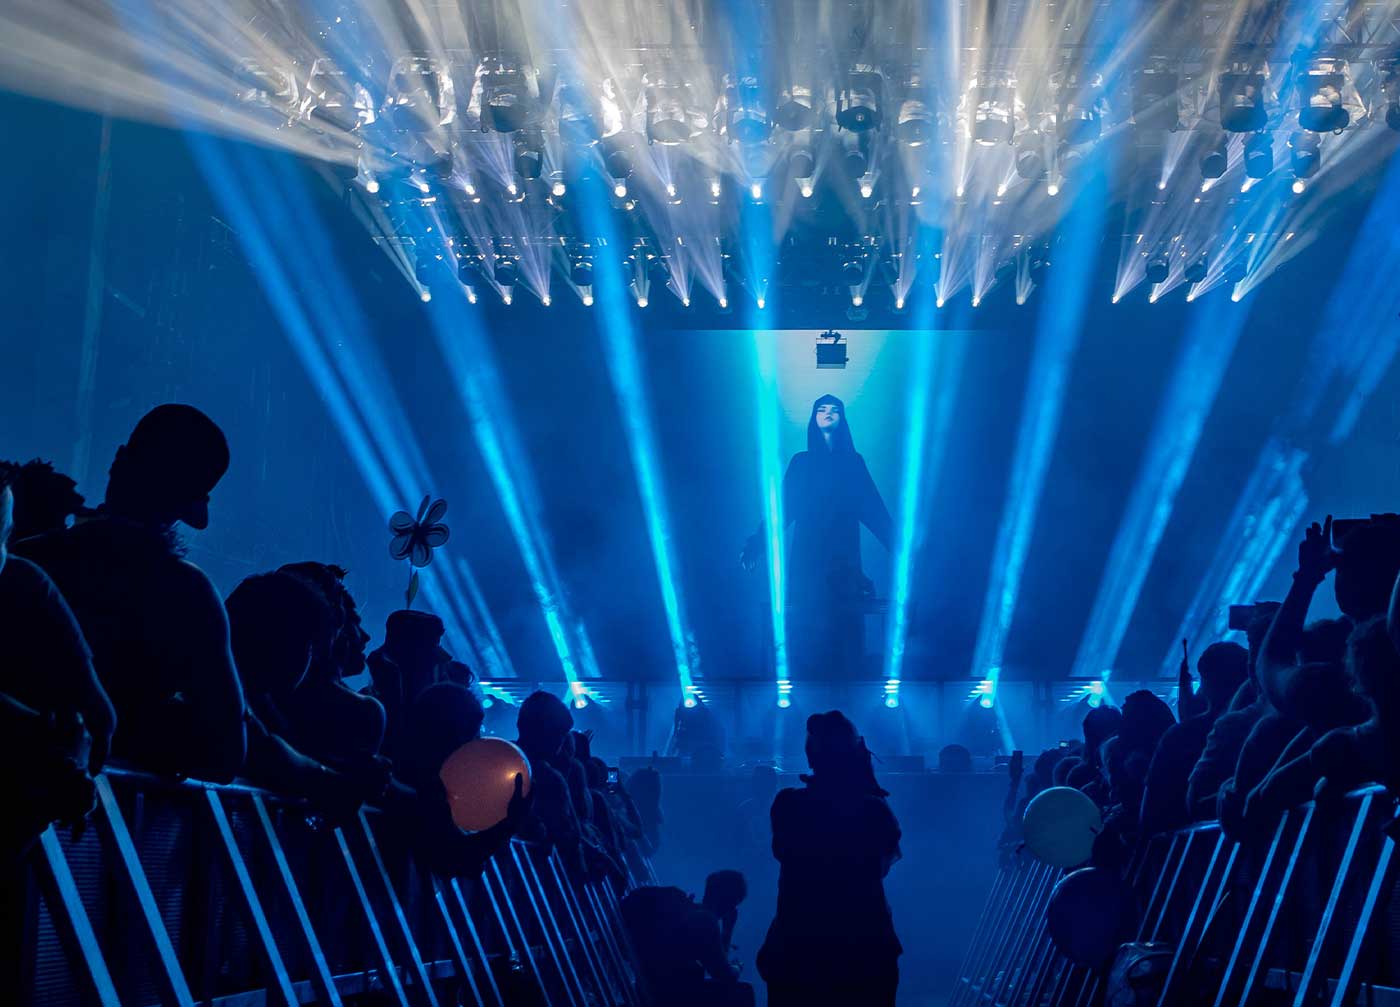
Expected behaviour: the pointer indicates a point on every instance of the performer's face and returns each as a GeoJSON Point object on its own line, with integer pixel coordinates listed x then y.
{"type": "Point", "coordinates": [828, 416]}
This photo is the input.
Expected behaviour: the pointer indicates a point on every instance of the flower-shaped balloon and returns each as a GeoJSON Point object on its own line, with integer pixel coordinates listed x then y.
{"type": "Point", "coordinates": [416, 538]}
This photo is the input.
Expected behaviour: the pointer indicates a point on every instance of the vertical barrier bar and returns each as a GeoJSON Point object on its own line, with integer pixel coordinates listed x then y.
{"type": "Point", "coordinates": [280, 983]}
{"type": "Point", "coordinates": [981, 933]}
{"type": "Point", "coordinates": [1171, 889]}
{"type": "Point", "coordinates": [464, 965]}
{"type": "Point", "coordinates": [70, 918]}
{"type": "Point", "coordinates": [1037, 961]}
{"type": "Point", "coordinates": [612, 936]}
{"type": "Point", "coordinates": [600, 978]}
{"type": "Point", "coordinates": [1185, 947]}
{"type": "Point", "coordinates": [981, 972]}
{"type": "Point", "coordinates": [1306, 980]}
{"type": "Point", "coordinates": [174, 990]}
{"type": "Point", "coordinates": [410, 946]}
{"type": "Point", "coordinates": [1157, 888]}
{"type": "Point", "coordinates": [1381, 882]}
{"type": "Point", "coordinates": [475, 936]}
{"type": "Point", "coordinates": [1279, 896]}
{"type": "Point", "coordinates": [1245, 925]}
{"type": "Point", "coordinates": [391, 972]}
{"type": "Point", "coordinates": [321, 979]}
{"type": "Point", "coordinates": [584, 949]}
{"type": "Point", "coordinates": [563, 967]}
{"type": "Point", "coordinates": [527, 950]}
{"type": "Point", "coordinates": [1021, 932]}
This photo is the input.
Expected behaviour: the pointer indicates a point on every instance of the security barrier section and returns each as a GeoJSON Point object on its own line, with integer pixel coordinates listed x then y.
{"type": "Point", "coordinates": [1303, 915]}
{"type": "Point", "coordinates": [191, 893]}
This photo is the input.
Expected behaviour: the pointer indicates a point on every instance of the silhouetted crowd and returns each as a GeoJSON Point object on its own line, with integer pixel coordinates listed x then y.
{"type": "Point", "coordinates": [1308, 710]}
{"type": "Point", "coordinates": [114, 647]}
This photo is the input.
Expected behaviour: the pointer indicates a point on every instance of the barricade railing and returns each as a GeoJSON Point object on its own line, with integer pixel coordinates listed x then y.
{"type": "Point", "coordinates": [177, 893]}
{"type": "Point", "coordinates": [1305, 914]}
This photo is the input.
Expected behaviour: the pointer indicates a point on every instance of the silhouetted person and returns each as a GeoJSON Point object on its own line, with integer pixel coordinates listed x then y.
{"type": "Point", "coordinates": [157, 627]}
{"type": "Point", "coordinates": [1227, 735]}
{"type": "Point", "coordinates": [1223, 667]}
{"type": "Point", "coordinates": [1100, 723]}
{"type": "Point", "coordinates": [327, 719]}
{"type": "Point", "coordinates": [442, 719]}
{"type": "Point", "coordinates": [725, 891]}
{"type": "Point", "coordinates": [827, 495]}
{"type": "Point", "coordinates": [277, 623]}
{"type": "Point", "coordinates": [55, 719]}
{"type": "Point", "coordinates": [832, 940]}
{"type": "Point", "coordinates": [403, 666]}
{"type": "Point", "coordinates": [544, 723]}
{"type": "Point", "coordinates": [45, 500]}
{"type": "Point", "coordinates": [681, 949]}
{"type": "Point", "coordinates": [954, 759]}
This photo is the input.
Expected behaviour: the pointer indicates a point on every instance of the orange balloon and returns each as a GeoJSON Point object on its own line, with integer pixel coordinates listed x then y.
{"type": "Point", "coordinates": [480, 781]}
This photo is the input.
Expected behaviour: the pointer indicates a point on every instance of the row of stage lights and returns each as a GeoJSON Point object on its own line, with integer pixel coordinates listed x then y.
{"type": "Point", "coordinates": [505, 98]}
{"type": "Point", "coordinates": [859, 266]}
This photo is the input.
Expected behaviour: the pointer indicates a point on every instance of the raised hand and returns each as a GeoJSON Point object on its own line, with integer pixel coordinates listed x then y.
{"type": "Point", "coordinates": [1317, 557]}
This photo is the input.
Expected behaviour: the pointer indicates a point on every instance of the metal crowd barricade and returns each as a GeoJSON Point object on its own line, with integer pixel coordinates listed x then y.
{"type": "Point", "coordinates": [1306, 915]}
{"type": "Point", "coordinates": [180, 893]}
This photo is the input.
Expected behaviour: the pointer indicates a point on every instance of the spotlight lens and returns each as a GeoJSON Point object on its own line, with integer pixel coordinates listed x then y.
{"type": "Point", "coordinates": [806, 189]}
{"type": "Point", "coordinates": [756, 190]}
{"type": "Point", "coordinates": [1162, 184]}
{"type": "Point", "coordinates": [938, 303]}
{"type": "Point", "coordinates": [784, 702]}
{"type": "Point", "coordinates": [761, 304]}
{"type": "Point", "coordinates": [641, 302]}
{"type": "Point", "coordinates": [865, 191]}
{"type": "Point", "coordinates": [1053, 189]}
{"type": "Point", "coordinates": [620, 190]}
{"type": "Point", "coordinates": [685, 301]}
{"type": "Point", "coordinates": [985, 702]}
{"type": "Point", "coordinates": [371, 186]}
{"type": "Point", "coordinates": [1299, 185]}
{"type": "Point", "coordinates": [580, 703]}
{"type": "Point", "coordinates": [857, 300]}
{"type": "Point", "coordinates": [559, 188]}
{"type": "Point", "coordinates": [588, 300]}
{"type": "Point", "coordinates": [724, 302]}
{"type": "Point", "coordinates": [425, 295]}
{"type": "Point", "coordinates": [891, 702]}
{"type": "Point", "coordinates": [545, 300]}
{"type": "Point", "coordinates": [899, 303]}
{"type": "Point", "coordinates": [690, 702]}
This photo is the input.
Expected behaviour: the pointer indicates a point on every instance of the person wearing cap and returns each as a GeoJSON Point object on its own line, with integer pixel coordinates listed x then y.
{"type": "Point", "coordinates": [156, 625]}
{"type": "Point", "coordinates": [408, 661]}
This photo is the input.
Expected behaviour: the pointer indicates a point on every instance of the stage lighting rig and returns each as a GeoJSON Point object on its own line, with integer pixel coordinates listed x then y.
{"type": "Point", "coordinates": [1259, 155]}
{"type": "Point", "coordinates": [915, 125]}
{"type": "Point", "coordinates": [1030, 157]}
{"type": "Point", "coordinates": [1156, 105]}
{"type": "Point", "coordinates": [1158, 269]}
{"type": "Point", "coordinates": [1327, 99]}
{"type": "Point", "coordinates": [991, 108]}
{"type": "Point", "coordinates": [671, 114]}
{"type": "Point", "coordinates": [510, 94]}
{"type": "Point", "coordinates": [271, 87]}
{"type": "Point", "coordinates": [529, 157]}
{"type": "Point", "coordinates": [331, 96]}
{"type": "Point", "coordinates": [1197, 269]}
{"type": "Point", "coordinates": [831, 350]}
{"type": "Point", "coordinates": [796, 108]}
{"type": "Point", "coordinates": [1391, 88]}
{"type": "Point", "coordinates": [802, 163]}
{"type": "Point", "coordinates": [745, 111]}
{"type": "Point", "coordinates": [1243, 93]}
{"type": "Point", "coordinates": [1306, 155]}
{"type": "Point", "coordinates": [1216, 160]}
{"type": "Point", "coordinates": [1079, 106]}
{"type": "Point", "coordinates": [857, 106]}
{"type": "Point", "coordinates": [584, 119]}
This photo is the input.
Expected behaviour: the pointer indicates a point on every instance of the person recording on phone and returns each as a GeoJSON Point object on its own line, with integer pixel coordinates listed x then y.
{"type": "Point", "coordinates": [827, 495]}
